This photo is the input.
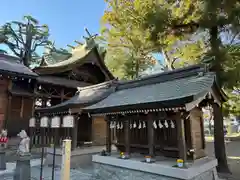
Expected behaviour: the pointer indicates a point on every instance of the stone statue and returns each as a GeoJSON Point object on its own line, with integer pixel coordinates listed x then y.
{"type": "Point", "coordinates": [3, 138]}
{"type": "Point", "coordinates": [23, 148]}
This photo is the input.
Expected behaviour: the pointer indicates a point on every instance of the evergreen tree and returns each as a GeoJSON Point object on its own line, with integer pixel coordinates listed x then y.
{"type": "Point", "coordinates": [24, 38]}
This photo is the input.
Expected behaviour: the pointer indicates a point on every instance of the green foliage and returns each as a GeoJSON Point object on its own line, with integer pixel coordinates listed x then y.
{"type": "Point", "coordinates": [23, 38]}
{"type": "Point", "coordinates": [232, 106]}
{"type": "Point", "coordinates": [128, 47]}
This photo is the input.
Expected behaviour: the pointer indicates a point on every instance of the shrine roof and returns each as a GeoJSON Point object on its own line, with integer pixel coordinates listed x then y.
{"type": "Point", "coordinates": [85, 96]}
{"type": "Point", "coordinates": [77, 58]}
{"type": "Point", "coordinates": [167, 89]}
{"type": "Point", "coordinates": [11, 65]}
{"type": "Point", "coordinates": [86, 53]}
{"type": "Point", "coordinates": [53, 80]}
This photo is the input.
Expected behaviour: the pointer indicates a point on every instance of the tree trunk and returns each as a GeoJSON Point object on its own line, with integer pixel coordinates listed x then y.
{"type": "Point", "coordinates": [210, 126]}
{"type": "Point", "coordinates": [219, 144]}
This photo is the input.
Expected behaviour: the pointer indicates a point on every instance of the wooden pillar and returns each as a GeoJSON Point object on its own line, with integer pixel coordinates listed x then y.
{"type": "Point", "coordinates": [22, 107]}
{"type": "Point", "coordinates": [8, 112]}
{"type": "Point", "coordinates": [150, 134]}
{"type": "Point", "coordinates": [108, 135]}
{"type": "Point", "coordinates": [9, 105]}
{"type": "Point", "coordinates": [126, 127]}
{"type": "Point", "coordinates": [181, 138]}
{"type": "Point", "coordinates": [75, 133]}
{"type": "Point", "coordinates": [34, 98]}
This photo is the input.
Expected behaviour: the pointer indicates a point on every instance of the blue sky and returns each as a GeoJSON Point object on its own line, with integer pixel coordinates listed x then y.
{"type": "Point", "coordinates": [66, 18]}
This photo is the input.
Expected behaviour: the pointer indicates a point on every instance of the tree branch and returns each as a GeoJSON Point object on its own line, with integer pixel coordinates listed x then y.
{"type": "Point", "coordinates": [13, 47]}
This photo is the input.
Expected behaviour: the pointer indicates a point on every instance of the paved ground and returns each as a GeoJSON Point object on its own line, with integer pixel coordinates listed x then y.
{"type": "Point", "coordinates": [233, 153]}
{"type": "Point", "coordinates": [76, 174]}
{"type": "Point", "coordinates": [232, 148]}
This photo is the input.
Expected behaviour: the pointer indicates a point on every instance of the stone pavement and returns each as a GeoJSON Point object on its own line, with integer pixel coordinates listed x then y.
{"type": "Point", "coordinates": [76, 174]}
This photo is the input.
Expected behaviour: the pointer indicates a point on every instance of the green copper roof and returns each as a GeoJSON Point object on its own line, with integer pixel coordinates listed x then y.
{"type": "Point", "coordinates": [78, 57]}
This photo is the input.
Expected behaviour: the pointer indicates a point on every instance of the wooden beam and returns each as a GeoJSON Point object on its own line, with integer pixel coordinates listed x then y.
{"type": "Point", "coordinates": [62, 95]}
{"type": "Point", "coordinates": [75, 133]}
{"type": "Point", "coordinates": [34, 99]}
{"type": "Point", "coordinates": [150, 134]}
{"type": "Point", "coordinates": [78, 42]}
{"type": "Point", "coordinates": [71, 46]}
{"type": "Point", "coordinates": [9, 104]}
{"type": "Point", "coordinates": [22, 107]}
{"type": "Point", "coordinates": [126, 128]}
{"type": "Point", "coordinates": [108, 136]}
{"type": "Point", "coordinates": [181, 138]}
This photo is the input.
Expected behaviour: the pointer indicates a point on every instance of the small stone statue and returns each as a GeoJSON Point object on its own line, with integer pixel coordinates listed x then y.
{"type": "Point", "coordinates": [3, 139]}
{"type": "Point", "coordinates": [23, 148]}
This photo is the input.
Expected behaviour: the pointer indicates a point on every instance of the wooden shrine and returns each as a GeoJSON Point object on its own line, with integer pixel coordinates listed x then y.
{"type": "Point", "coordinates": [58, 90]}
{"type": "Point", "coordinates": [160, 114]}
{"type": "Point", "coordinates": [17, 84]}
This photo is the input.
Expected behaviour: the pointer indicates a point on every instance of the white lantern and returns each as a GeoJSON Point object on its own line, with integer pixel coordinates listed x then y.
{"type": "Point", "coordinates": [55, 122]}
{"type": "Point", "coordinates": [32, 122]}
{"type": "Point", "coordinates": [44, 121]}
{"type": "Point", "coordinates": [68, 121]}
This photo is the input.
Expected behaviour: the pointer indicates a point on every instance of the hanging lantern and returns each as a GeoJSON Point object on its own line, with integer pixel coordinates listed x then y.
{"type": "Point", "coordinates": [32, 122]}
{"type": "Point", "coordinates": [172, 124]}
{"type": "Point", "coordinates": [166, 124]}
{"type": "Point", "coordinates": [44, 121]}
{"type": "Point", "coordinates": [139, 125]}
{"type": "Point", "coordinates": [155, 125]}
{"type": "Point", "coordinates": [68, 121]}
{"type": "Point", "coordinates": [134, 125]}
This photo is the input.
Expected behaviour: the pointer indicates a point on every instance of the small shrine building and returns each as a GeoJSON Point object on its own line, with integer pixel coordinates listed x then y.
{"type": "Point", "coordinates": [17, 84]}
{"type": "Point", "coordinates": [159, 114]}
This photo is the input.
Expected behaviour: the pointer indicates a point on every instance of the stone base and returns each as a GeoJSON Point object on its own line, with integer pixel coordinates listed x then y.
{"type": "Point", "coordinates": [80, 157]}
{"type": "Point", "coordinates": [23, 168]}
{"type": "Point", "coordinates": [2, 160]}
{"type": "Point", "coordinates": [111, 168]}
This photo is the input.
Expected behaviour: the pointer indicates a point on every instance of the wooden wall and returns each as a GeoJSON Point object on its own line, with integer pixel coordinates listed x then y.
{"type": "Point", "coordinates": [197, 135]}
{"type": "Point", "coordinates": [3, 101]}
{"type": "Point", "coordinates": [99, 129]}
{"type": "Point", "coordinates": [19, 114]}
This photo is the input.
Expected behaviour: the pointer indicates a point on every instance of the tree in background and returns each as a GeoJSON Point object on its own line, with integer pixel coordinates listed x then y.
{"type": "Point", "coordinates": [128, 48]}
{"type": "Point", "coordinates": [24, 38]}
{"type": "Point", "coordinates": [191, 29]}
